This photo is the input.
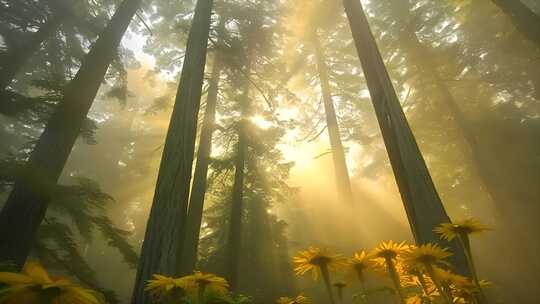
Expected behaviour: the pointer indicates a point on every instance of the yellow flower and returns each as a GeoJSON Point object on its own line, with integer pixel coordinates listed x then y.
{"type": "Point", "coordinates": [407, 274]}
{"type": "Point", "coordinates": [284, 300]}
{"type": "Point", "coordinates": [428, 254]}
{"type": "Point", "coordinates": [462, 286]}
{"type": "Point", "coordinates": [386, 255]}
{"type": "Point", "coordinates": [34, 285]}
{"type": "Point", "coordinates": [206, 281]}
{"type": "Point", "coordinates": [450, 278]}
{"type": "Point", "coordinates": [389, 250]}
{"type": "Point", "coordinates": [314, 259]}
{"type": "Point", "coordinates": [461, 231]}
{"type": "Point", "coordinates": [161, 285]}
{"type": "Point", "coordinates": [361, 261]}
{"type": "Point", "coordinates": [300, 299]}
{"type": "Point", "coordinates": [450, 231]}
{"type": "Point", "coordinates": [416, 299]}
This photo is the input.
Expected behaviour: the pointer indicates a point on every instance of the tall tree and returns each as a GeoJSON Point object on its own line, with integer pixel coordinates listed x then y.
{"type": "Point", "coordinates": [263, 269]}
{"type": "Point", "coordinates": [165, 228]}
{"type": "Point", "coordinates": [248, 51]}
{"type": "Point", "coordinates": [338, 155]}
{"type": "Point", "coordinates": [423, 205]}
{"type": "Point", "coordinates": [253, 36]}
{"type": "Point", "coordinates": [490, 175]}
{"type": "Point", "coordinates": [421, 57]}
{"type": "Point", "coordinates": [237, 209]}
{"type": "Point", "coordinates": [57, 14]}
{"type": "Point", "coordinates": [486, 167]}
{"type": "Point", "coordinates": [198, 189]}
{"type": "Point", "coordinates": [307, 20]}
{"type": "Point", "coordinates": [28, 201]}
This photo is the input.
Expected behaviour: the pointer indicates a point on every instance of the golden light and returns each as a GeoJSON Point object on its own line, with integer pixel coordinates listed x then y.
{"type": "Point", "coordinates": [261, 122]}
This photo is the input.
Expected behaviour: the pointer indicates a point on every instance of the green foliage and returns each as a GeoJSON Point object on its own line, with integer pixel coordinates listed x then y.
{"type": "Point", "coordinates": [86, 204]}
{"type": "Point", "coordinates": [117, 74]}
{"type": "Point", "coordinates": [217, 298]}
{"type": "Point", "coordinates": [117, 238]}
{"type": "Point", "coordinates": [57, 244]}
{"type": "Point", "coordinates": [483, 154]}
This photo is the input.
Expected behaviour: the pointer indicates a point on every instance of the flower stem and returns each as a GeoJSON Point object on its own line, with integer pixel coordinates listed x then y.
{"type": "Point", "coordinates": [437, 282]}
{"type": "Point", "coordinates": [200, 293]}
{"type": "Point", "coordinates": [326, 279]}
{"type": "Point", "coordinates": [394, 276]}
{"type": "Point", "coordinates": [363, 289]}
{"type": "Point", "coordinates": [422, 281]}
{"type": "Point", "coordinates": [465, 242]}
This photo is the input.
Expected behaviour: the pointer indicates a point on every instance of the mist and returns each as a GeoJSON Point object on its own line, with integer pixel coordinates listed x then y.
{"type": "Point", "coordinates": [290, 129]}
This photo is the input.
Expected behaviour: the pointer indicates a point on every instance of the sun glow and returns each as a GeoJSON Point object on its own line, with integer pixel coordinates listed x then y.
{"type": "Point", "coordinates": [261, 122]}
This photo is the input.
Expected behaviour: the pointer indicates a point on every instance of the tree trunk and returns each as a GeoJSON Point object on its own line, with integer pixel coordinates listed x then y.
{"type": "Point", "coordinates": [423, 206]}
{"type": "Point", "coordinates": [523, 18]}
{"type": "Point", "coordinates": [235, 229]}
{"type": "Point", "coordinates": [196, 201]}
{"type": "Point", "coordinates": [28, 201]}
{"type": "Point", "coordinates": [164, 231]}
{"type": "Point", "coordinates": [18, 57]}
{"type": "Point", "coordinates": [338, 155]}
{"type": "Point", "coordinates": [420, 57]}
{"type": "Point", "coordinates": [262, 240]}
{"type": "Point", "coordinates": [489, 175]}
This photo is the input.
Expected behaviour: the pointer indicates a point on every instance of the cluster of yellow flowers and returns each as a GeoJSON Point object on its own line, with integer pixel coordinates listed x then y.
{"type": "Point", "coordinates": [34, 286]}
{"type": "Point", "coordinates": [161, 287]}
{"type": "Point", "coordinates": [300, 299]}
{"type": "Point", "coordinates": [419, 274]}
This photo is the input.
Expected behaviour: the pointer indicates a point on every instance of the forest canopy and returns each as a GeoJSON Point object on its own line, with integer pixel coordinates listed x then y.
{"type": "Point", "coordinates": [190, 151]}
